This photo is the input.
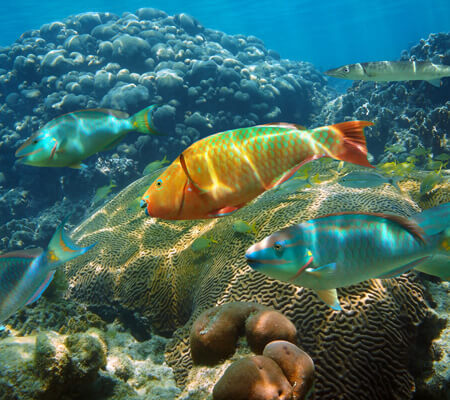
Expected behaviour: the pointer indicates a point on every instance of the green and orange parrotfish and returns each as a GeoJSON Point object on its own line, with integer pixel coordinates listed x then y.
{"type": "Point", "coordinates": [70, 138]}
{"type": "Point", "coordinates": [343, 249]}
{"type": "Point", "coordinates": [25, 274]}
{"type": "Point", "coordinates": [222, 172]}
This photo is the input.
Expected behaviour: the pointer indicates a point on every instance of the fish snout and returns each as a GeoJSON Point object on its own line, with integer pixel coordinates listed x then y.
{"type": "Point", "coordinates": [143, 204]}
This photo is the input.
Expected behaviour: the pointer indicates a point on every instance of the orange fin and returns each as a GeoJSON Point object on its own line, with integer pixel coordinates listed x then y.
{"type": "Point", "coordinates": [354, 148]}
{"type": "Point", "coordinates": [286, 125]}
{"type": "Point", "coordinates": [227, 210]}
{"type": "Point", "coordinates": [404, 222]}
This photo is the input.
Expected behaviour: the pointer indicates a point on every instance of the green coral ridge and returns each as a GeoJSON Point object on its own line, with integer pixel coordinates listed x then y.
{"type": "Point", "coordinates": [147, 266]}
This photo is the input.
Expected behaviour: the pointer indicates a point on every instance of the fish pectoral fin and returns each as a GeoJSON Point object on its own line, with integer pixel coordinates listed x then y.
{"type": "Point", "coordinates": [402, 269]}
{"type": "Point", "coordinates": [78, 166]}
{"type": "Point", "coordinates": [329, 297]}
{"type": "Point", "coordinates": [227, 210]}
{"type": "Point", "coordinates": [435, 82]}
{"type": "Point", "coordinates": [323, 270]}
{"type": "Point", "coordinates": [41, 289]}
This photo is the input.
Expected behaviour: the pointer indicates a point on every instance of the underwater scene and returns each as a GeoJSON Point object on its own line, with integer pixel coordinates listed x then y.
{"type": "Point", "coordinates": [224, 200]}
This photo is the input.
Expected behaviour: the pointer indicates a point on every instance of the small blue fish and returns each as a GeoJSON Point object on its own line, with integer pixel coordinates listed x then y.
{"type": "Point", "coordinates": [343, 249]}
{"type": "Point", "coordinates": [25, 274]}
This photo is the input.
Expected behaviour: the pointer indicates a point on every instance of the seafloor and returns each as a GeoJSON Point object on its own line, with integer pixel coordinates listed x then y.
{"type": "Point", "coordinates": [122, 330]}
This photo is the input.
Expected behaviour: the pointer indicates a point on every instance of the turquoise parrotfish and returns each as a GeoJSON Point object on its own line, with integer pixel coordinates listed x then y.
{"type": "Point", "coordinates": [343, 249]}
{"type": "Point", "coordinates": [433, 221]}
{"type": "Point", "coordinates": [70, 138]}
{"type": "Point", "coordinates": [25, 274]}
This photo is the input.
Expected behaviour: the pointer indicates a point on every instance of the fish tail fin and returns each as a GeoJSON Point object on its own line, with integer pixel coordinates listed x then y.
{"type": "Point", "coordinates": [62, 249]}
{"type": "Point", "coordinates": [253, 228]}
{"type": "Point", "coordinates": [142, 121]}
{"type": "Point", "coordinates": [353, 148]}
{"type": "Point", "coordinates": [443, 239]}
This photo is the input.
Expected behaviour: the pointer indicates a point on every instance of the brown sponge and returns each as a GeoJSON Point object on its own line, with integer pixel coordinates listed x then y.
{"type": "Point", "coordinates": [254, 378]}
{"type": "Point", "coordinates": [267, 325]}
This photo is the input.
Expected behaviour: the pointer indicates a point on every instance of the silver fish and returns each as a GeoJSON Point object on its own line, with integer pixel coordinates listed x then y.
{"type": "Point", "coordinates": [383, 71]}
{"type": "Point", "coordinates": [362, 179]}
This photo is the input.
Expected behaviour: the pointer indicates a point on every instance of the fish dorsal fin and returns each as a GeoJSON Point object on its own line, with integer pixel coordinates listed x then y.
{"type": "Point", "coordinates": [404, 222]}
{"type": "Point", "coordinates": [30, 253]}
{"type": "Point", "coordinates": [285, 125]}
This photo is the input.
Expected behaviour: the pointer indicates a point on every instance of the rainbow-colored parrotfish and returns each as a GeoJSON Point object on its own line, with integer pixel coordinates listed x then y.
{"type": "Point", "coordinates": [222, 172]}
{"type": "Point", "coordinates": [70, 138]}
{"type": "Point", "coordinates": [343, 249]}
{"type": "Point", "coordinates": [25, 274]}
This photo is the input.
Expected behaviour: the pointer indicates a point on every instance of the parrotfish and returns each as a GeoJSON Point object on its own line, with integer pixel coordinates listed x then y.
{"type": "Point", "coordinates": [25, 274]}
{"type": "Point", "coordinates": [433, 221]}
{"type": "Point", "coordinates": [383, 71]}
{"type": "Point", "coordinates": [343, 249]}
{"type": "Point", "coordinates": [70, 138]}
{"type": "Point", "coordinates": [222, 172]}
{"type": "Point", "coordinates": [366, 179]}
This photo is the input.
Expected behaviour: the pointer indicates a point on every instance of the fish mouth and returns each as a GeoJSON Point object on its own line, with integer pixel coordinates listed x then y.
{"type": "Point", "coordinates": [144, 204]}
{"type": "Point", "coordinates": [334, 73]}
{"type": "Point", "coordinates": [30, 153]}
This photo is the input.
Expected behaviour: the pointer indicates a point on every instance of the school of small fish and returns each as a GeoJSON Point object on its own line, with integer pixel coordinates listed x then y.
{"type": "Point", "coordinates": [221, 173]}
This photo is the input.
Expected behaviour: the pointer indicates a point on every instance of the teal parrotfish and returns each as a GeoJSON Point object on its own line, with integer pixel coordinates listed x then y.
{"type": "Point", "coordinates": [70, 138]}
{"type": "Point", "coordinates": [25, 274]}
{"type": "Point", "coordinates": [433, 221]}
{"type": "Point", "coordinates": [383, 71]}
{"type": "Point", "coordinates": [343, 249]}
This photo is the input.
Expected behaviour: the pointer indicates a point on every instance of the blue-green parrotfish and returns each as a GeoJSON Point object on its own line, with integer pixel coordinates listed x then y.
{"type": "Point", "coordinates": [384, 71]}
{"type": "Point", "coordinates": [433, 221]}
{"type": "Point", "coordinates": [343, 249]}
{"type": "Point", "coordinates": [70, 138]}
{"type": "Point", "coordinates": [25, 274]}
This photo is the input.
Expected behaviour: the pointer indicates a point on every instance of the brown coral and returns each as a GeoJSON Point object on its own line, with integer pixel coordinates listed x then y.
{"type": "Point", "coordinates": [297, 366]}
{"type": "Point", "coordinates": [266, 326]}
{"type": "Point", "coordinates": [254, 378]}
{"type": "Point", "coordinates": [146, 265]}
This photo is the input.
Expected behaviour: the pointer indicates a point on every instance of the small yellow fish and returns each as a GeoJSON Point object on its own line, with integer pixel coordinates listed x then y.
{"type": "Point", "coordinates": [430, 181]}
{"type": "Point", "coordinates": [421, 151]}
{"type": "Point", "coordinates": [155, 165]}
{"type": "Point", "coordinates": [202, 243]}
{"type": "Point", "coordinates": [411, 159]}
{"type": "Point", "coordinates": [395, 148]}
{"type": "Point", "coordinates": [442, 157]}
{"type": "Point", "coordinates": [241, 226]}
{"type": "Point", "coordinates": [435, 165]}
{"type": "Point", "coordinates": [404, 168]}
{"type": "Point", "coordinates": [102, 192]}
{"type": "Point", "coordinates": [388, 167]}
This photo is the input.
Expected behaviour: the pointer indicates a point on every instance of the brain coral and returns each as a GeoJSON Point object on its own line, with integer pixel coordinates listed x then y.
{"type": "Point", "coordinates": [146, 265]}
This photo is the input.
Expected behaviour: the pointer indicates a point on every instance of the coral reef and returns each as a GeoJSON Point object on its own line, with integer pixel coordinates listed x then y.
{"type": "Point", "coordinates": [410, 114]}
{"type": "Point", "coordinates": [147, 266]}
{"type": "Point", "coordinates": [205, 81]}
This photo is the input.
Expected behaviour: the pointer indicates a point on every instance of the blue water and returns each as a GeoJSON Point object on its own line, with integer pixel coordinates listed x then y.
{"type": "Point", "coordinates": [327, 33]}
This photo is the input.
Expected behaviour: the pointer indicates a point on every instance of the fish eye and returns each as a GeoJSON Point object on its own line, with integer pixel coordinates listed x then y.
{"type": "Point", "coordinates": [35, 141]}
{"type": "Point", "coordinates": [278, 246]}
{"type": "Point", "coordinates": [158, 183]}
{"type": "Point", "coordinates": [346, 69]}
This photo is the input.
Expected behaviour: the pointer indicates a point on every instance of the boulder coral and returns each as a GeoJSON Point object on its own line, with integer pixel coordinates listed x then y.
{"type": "Point", "coordinates": [254, 378]}
{"type": "Point", "coordinates": [297, 366]}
